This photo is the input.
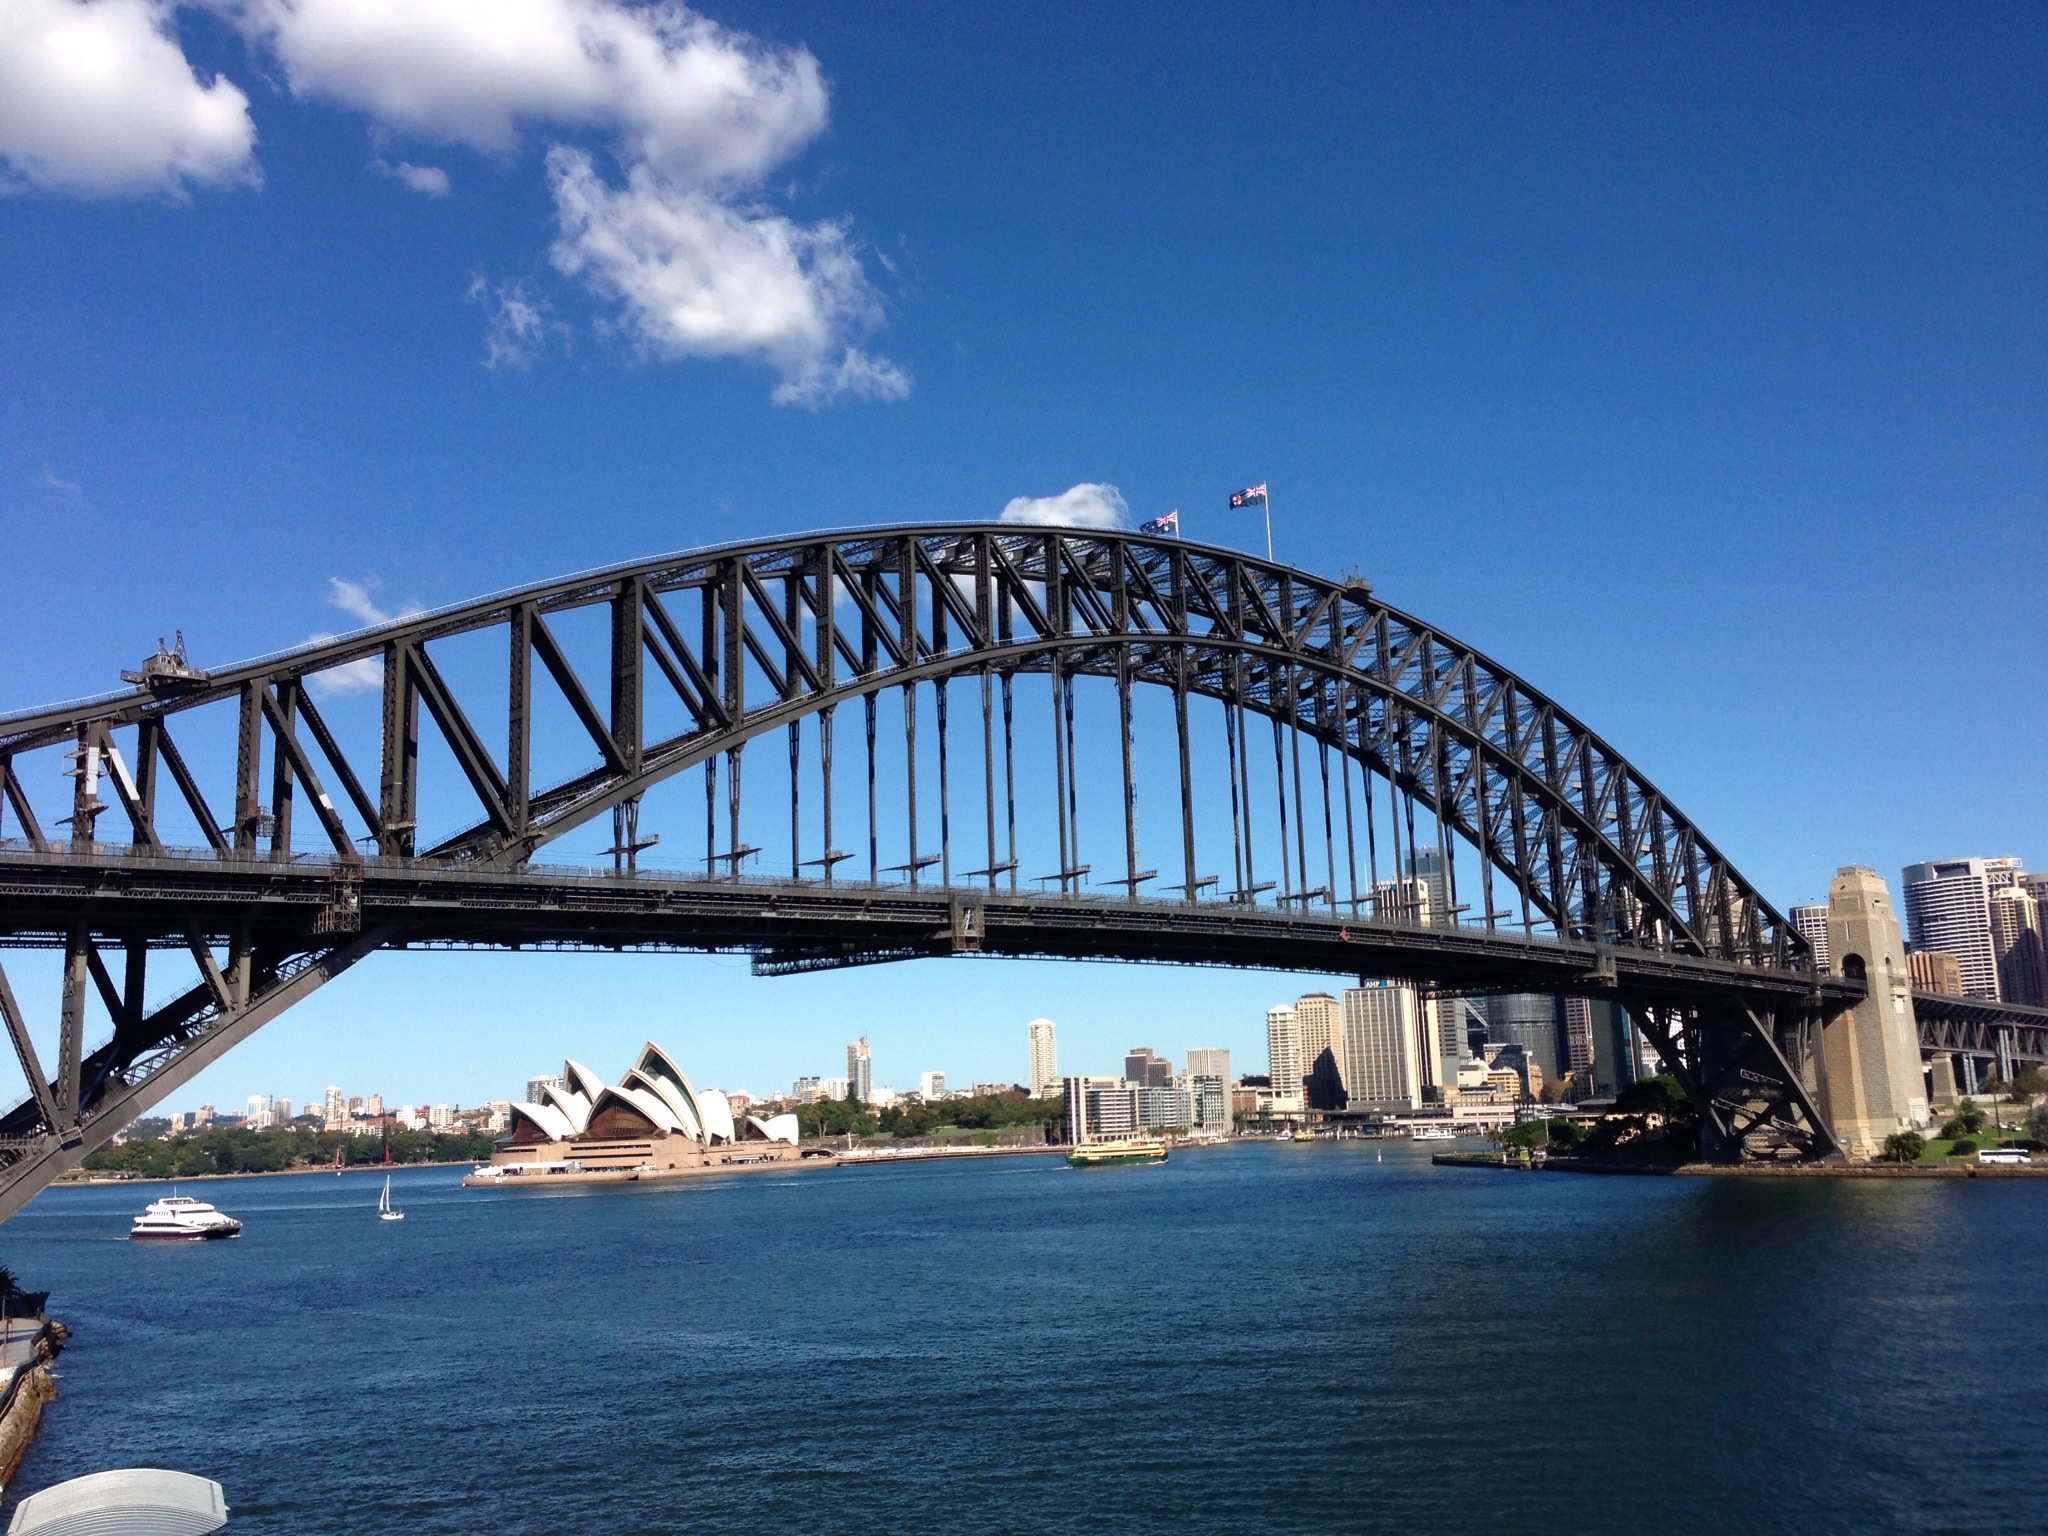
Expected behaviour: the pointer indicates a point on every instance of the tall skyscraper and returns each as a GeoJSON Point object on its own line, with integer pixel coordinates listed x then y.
{"type": "Point", "coordinates": [336, 1108]}
{"type": "Point", "coordinates": [1044, 1058]}
{"type": "Point", "coordinates": [1145, 1069]}
{"type": "Point", "coordinates": [1810, 922]}
{"type": "Point", "coordinates": [1209, 1061]}
{"type": "Point", "coordinates": [1381, 1040]}
{"type": "Point", "coordinates": [1578, 1034]}
{"type": "Point", "coordinates": [860, 1070]}
{"type": "Point", "coordinates": [1439, 1022]}
{"type": "Point", "coordinates": [2016, 945]}
{"type": "Point", "coordinates": [1283, 1055]}
{"type": "Point", "coordinates": [1948, 907]}
{"type": "Point", "coordinates": [1530, 1020]}
{"type": "Point", "coordinates": [1426, 865]}
{"type": "Point", "coordinates": [1320, 1023]}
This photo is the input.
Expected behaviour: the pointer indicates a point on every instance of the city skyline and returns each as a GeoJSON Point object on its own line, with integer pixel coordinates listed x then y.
{"type": "Point", "coordinates": [248, 365]}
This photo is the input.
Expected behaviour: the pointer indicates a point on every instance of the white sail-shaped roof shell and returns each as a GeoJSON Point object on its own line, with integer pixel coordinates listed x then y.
{"type": "Point", "coordinates": [717, 1114]}
{"type": "Point", "coordinates": [552, 1124]}
{"type": "Point", "coordinates": [582, 1079]}
{"type": "Point", "coordinates": [777, 1128]}
{"type": "Point", "coordinates": [657, 1064]}
{"type": "Point", "coordinates": [649, 1104]}
{"type": "Point", "coordinates": [670, 1096]}
{"type": "Point", "coordinates": [571, 1105]}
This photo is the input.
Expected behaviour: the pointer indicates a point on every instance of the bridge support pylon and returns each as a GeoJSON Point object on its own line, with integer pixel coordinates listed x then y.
{"type": "Point", "coordinates": [1869, 1059]}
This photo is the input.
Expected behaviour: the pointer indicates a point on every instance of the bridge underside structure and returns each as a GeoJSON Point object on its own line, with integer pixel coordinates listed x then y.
{"type": "Point", "coordinates": [1504, 846]}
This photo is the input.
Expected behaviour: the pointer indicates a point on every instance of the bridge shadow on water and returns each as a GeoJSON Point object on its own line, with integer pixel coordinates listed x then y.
{"type": "Point", "coordinates": [1262, 1337]}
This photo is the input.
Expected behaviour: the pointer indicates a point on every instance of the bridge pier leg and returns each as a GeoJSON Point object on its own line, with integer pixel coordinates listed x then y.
{"type": "Point", "coordinates": [1944, 1087]}
{"type": "Point", "coordinates": [1870, 1054]}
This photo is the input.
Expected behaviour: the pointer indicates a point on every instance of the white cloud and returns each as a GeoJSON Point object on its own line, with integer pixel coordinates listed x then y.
{"type": "Point", "coordinates": [97, 100]}
{"type": "Point", "coordinates": [1091, 504]}
{"type": "Point", "coordinates": [696, 114]}
{"type": "Point", "coordinates": [518, 327]}
{"type": "Point", "coordinates": [367, 672]}
{"type": "Point", "coordinates": [680, 93]}
{"type": "Point", "coordinates": [427, 180]}
{"type": "Point", "coordinates": [57, 482]}
{"type": "Point", "coordinates": [698, 276]}
{"type": "Point", "coordinates": [358, 676]}
{"type": "Point", "coordinates": [96, 96]}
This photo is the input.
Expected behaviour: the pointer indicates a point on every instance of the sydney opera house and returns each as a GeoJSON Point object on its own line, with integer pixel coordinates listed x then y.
{"type": "Point", "coordinates": [652, 1123]}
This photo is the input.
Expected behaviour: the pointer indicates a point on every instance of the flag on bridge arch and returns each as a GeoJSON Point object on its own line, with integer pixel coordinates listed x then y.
{"type": "Point", "coordinates": [1251, 495]}
{"type": "Point", "coordinates": [1167, 524]}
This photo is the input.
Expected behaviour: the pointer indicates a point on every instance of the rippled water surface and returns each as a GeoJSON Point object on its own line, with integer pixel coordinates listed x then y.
{"type": "Point", "coordinates": [1257, 1338]}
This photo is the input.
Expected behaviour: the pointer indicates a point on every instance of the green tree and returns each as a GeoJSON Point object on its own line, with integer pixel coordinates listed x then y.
{"type": "Point", "coordinates": [1659, 1095]}
{"type": "Point", "coordinates": [1903, 1147]}
{"type": "Point", "coordinates": [1968, 1120]}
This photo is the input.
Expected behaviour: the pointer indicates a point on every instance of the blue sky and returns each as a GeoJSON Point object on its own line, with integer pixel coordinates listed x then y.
{"type": "Point", "coordinates": [1689, 361]}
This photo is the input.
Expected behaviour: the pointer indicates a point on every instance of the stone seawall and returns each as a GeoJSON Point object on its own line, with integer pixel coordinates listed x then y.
{"type": "Point", "coordinates": [29, 1387]}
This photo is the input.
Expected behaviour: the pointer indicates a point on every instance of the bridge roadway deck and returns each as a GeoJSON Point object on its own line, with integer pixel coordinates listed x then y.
{"type": "Point", "coordinates": [794, 925]}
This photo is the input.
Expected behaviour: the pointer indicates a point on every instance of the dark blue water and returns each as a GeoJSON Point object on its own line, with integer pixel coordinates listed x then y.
{"type": "Point", "coordinates": [1259, 1338]}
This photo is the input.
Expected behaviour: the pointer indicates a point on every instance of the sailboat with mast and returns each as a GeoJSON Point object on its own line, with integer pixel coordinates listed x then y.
{"type": "Point", "coordinates": [384, 1210]}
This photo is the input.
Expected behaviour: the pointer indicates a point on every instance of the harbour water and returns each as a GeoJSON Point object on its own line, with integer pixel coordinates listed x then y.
{"type": "Point", "coordinates": [1253, 1338]}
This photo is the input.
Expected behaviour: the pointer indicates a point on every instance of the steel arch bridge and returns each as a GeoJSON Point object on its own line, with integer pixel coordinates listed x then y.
{"type": "Point", "coordinates": [1457, 777]}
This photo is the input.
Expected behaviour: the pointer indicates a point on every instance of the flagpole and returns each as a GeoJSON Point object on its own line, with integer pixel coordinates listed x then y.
{"type": "Point", "coordinates": [1266, 501]}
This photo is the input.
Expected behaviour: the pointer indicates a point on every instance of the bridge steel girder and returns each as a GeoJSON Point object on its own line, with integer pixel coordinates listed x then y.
{"type": "Point", "coordinates": [1973, 1026]}
{"type": "Point", "coordinates": [1594, 850]}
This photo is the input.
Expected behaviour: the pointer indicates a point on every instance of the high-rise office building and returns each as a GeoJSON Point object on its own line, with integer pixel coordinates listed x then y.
{"type": "Point", "coordinates": [1044, 1058]}
{"type": "Point", "coordinates": [2016, 945]}
{"type": "Point", "coordinates": [860, 1070]}
{"type": "Point", "coordinates": [537, 1087]}
{"type": "Point", "coordinates": [1320, 1023]}
{"type": "Point", "coordinates": [1381, 1045]}
{"type": "Point", "coordinates": [259, 1104]}
{"type": "Point", "coordinates": [1210, 1096]}
{"type": "Point", "coordinates": [1426, 866]}
{"type": "Point", "coordinates": [931, 1086]}
{"type": "Point", "coordinates": [1578, 1034]}
{"type": "Point", "coordinates": [1530, 1020]}
{"type": "Point", "coordinates": [1145, 1069]}
{"type": "Point", "coordinates": [335, 1107]}
{"type": "Point", "coordinates": [1439, 1022]}
{"type": "Point", "coordinates": [1209, 1061]}
{"type": "Point", "coordinates": [1283, 1055]}
{"type": "Point", "coordinates": [1948, 907]}
{"type": "Point", "coordinates": [1933, 971]}
{"type": "Point", "coordinates": [1098, 1108]}
{"type": "Point", "coordinates": [1163, 1108]}
{"type": "Point", "coordinates": [282, 1109]}
{"type": "Point", "coordinates": [1810, 922]}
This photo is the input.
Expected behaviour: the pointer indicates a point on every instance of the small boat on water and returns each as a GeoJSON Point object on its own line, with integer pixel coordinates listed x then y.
{"type": "Point", "coordinates": [1433, 1133]}
{"type": "Point", "coordinates": [181, 1219]}
{"type": "Point", "coordinates": [384, 1210]}
{"type": "Point", "coordinates": [1112, 1154]}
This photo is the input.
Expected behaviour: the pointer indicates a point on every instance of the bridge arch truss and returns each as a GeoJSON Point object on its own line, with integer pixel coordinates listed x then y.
{"type": "Point", "coordinates": [755, 642]}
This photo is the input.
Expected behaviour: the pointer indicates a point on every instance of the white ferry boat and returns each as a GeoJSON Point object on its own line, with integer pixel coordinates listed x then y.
{"type": "Point", "coordinates": [1432, 1133]}
{"type": "Point", "coordinates": [181, 1219]}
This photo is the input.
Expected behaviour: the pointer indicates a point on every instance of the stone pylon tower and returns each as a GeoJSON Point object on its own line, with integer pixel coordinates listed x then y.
{"type": "Point", "coordinates": [1870, 1081]}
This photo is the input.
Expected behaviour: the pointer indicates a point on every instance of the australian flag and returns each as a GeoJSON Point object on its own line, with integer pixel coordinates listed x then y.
{"type": "Point", "coordinates": [1249, 496]}
{"type": "Point", "coordinates": [1167, 524]}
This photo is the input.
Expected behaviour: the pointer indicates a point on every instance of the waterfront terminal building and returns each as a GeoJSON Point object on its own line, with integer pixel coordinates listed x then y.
{"type": "Point", "coordinates": [652, 1123]}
